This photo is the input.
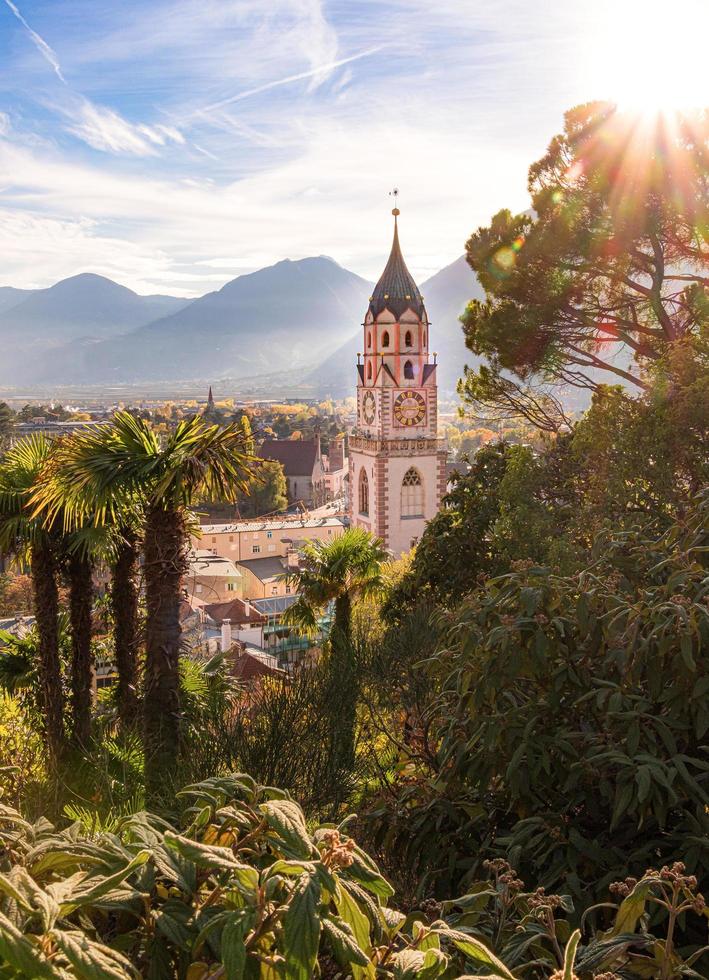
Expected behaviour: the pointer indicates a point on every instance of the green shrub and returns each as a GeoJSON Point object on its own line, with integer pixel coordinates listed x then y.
{"type": "Point", "coordinates": [570, 728]}
{"type": "Point", "coordinates": [243, 888]}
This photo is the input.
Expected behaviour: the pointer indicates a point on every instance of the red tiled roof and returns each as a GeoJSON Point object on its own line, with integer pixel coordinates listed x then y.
{"type": "Point", "coordinates": [296, 456]}
{"type": "Point", "coordinates": [249, 668]}
{"type": "Point", "coordinates": [236, 611]}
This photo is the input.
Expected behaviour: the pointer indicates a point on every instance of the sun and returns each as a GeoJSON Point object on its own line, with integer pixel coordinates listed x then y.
{"type": "Point", "coordinates": [651, 55]}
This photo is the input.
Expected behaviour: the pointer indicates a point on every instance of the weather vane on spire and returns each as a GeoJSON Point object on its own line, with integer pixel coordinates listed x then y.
{"type": "Point", "coordinates": [395, 194]}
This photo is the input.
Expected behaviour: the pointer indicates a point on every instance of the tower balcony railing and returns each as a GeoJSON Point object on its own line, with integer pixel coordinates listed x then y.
{"type": "Point", "coordinates": [359, 439]}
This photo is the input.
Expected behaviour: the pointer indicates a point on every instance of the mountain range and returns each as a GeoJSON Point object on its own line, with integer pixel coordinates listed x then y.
{"type": "Point", "coordinates": [298, 318]}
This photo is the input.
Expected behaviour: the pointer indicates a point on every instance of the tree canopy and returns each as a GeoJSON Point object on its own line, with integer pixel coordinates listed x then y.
{"type": "Point", "coordinates": [608, 269]}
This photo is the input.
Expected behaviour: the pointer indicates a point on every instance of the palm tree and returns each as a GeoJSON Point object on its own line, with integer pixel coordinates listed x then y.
{"type": "Point", "coordinates": [126, 462]}
{"type": "Point", "coordinates": [36, 542]}
{"type": "Point", "coordinates": [337, 572]}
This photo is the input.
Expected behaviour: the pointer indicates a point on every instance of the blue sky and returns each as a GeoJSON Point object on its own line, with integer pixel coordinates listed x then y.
{"type": "Point", "coordinates": [174, 144]}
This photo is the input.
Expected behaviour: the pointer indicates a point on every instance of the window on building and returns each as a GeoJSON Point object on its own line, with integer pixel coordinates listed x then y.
{"type": "Point", "coordinates": [274, 590]}
{"type": "Point", "coordinates": [385, 339]}
{"type": "Point", "coordinates": [369, 339]}
{"type": "Point", "coordinates": [231, 586]}
{"type": "Point", "coordinates": [412, 494]}
{"type": "Point", "coordinates": [255, 549]}
{"type": "Point", "coordinates": [424, 338]}
{"type": "Point", "coordinates": [288, 589]}
{"type": "Point", "coordinates": [369, 371]}
{"type": "Point", "coordinates": [363, 492]}
{"type": "Point", "coordinates": [407, 339]}
{"type": "Point", "coordinates": [409, 371]}
{"type": "Point", "coordinates": [269, 534]}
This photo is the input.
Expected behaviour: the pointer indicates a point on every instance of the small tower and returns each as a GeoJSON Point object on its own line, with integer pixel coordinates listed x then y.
{"type": "Point", "coordinates": [210, 400]}
{"type": "Point", "coordinates": [397, 465]}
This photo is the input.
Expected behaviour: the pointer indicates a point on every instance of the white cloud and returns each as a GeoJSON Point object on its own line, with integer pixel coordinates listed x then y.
{"type": "Point", "coordinates": [106, 130]}
{"type": "Point", "coordinates": [4, 124]}
{"type": "Point", "coordinates": [44, 49]}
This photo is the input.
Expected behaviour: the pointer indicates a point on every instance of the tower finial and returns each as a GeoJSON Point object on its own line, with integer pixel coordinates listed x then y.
{"type": "Point", "coordinates": [395, 211]}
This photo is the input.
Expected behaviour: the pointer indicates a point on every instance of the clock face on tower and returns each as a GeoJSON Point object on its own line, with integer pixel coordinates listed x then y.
{"type": "Point", "coordinates": [409, 408]}
{"type": "Point", "coordinates": [369, 408]}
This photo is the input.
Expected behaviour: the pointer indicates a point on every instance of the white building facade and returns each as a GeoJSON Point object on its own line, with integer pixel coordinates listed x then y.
{"type": "Point", "coordinates": [397, 462]}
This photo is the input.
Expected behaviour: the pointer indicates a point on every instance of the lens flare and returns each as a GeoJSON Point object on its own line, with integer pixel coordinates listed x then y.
{"type": "Point", "coordinates": [651, 55]}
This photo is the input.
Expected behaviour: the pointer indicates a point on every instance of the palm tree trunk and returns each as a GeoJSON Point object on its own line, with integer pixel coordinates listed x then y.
{"type": "Point", "coordinates": [342, 698]}
{"type": "Point", "coordinates": [46, 605]}
{"type": "Point", "coordinates": [343, 617]}
{"type": "Point", "coordinates": [165, 567]}
{"type": "Point", "coordinates": [82, 666]}
{"type": "Point", "coordinates": [124, 604]}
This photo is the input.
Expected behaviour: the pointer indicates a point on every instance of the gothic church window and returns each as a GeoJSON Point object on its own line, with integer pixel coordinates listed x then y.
{"type": "Point", "coordinates": [412, 494]}
{"type": "Point", "coordinates": [369, 371]}
{"type": "Point", "coordinates": [369, 339]}
{"type": "Point", "coordinates": [385, 339]}
{"type": "Point", "coordinates": [407, 339]}
{"type": "Point", "coordinates": [363, 493]}
{"type": "Point", "coordinates": [409, 371]}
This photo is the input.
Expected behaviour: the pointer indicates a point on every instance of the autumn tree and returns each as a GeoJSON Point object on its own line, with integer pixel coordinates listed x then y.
{"type": "Point", "coordinates": [266, 491]}
{"type": "Point", "coordinates": [606, 272]}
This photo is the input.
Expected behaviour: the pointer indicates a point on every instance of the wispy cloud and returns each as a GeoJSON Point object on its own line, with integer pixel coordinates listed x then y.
{"type": "Point", "coordinates": [106, 130]}
{"type": "Point", "coordinates": [317, 71]}
{"type": "Point", "coordinates": [47, 52]}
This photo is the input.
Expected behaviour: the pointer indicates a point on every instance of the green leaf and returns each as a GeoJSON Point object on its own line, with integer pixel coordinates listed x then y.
{"type": "Point", "coordinates": [632, 907]}
{"type": "Point", "coordinates": [685, 649]}
{"type": "Point", "coordinates": [86, 895]}
{"type": "Point", "coordinates": [408, 963]}
{"type": "Point", "coordinates": [358, 922]}
{"type": "Point", "coordinates": [92, 960]}
{"type": "Point", "coordinates": [234, 946]}
{"type": "Point", "coordinates": [286, 819]}
{"type": "Point", "coordinates": [343, 942]}
{"type": "Point", "coordinates": [570, 955]}
{"type": "Point", "coordinates": [644, 780]}
{"type": "Point", "coordinates": [364, 871]}
{"type": "Point", "coordinates": [206, 856]}
{"type": "Point", "coordinates": [19, 953]}
{"type": "Point", "coordinates": [477, 951]}
{"type": "Point", "coordinates": [302, 927]}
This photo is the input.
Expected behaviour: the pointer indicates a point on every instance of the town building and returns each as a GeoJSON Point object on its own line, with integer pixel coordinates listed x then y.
{"type": "Point", "coordinates": [303, 468]}
{"type": "Point", "coordinates": [397, 466]}
{"type": "Point", "coordinates": [212, 578]}
{"type": "Point", "coordinates": [262, 538]}
{"type": "Point", "coordinates": [313, 477]}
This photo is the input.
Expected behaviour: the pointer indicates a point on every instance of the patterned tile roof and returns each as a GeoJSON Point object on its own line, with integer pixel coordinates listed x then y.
{"type": "Point", "coordinates": [396, 290]}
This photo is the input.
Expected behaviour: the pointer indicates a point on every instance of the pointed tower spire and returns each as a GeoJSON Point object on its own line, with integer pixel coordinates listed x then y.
{"type": "Point", "coordinates": [396, 290]}
{"type": "Point", "coordinates": [210, 399]}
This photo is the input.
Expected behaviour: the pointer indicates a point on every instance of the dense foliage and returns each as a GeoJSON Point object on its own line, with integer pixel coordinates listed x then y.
{"type": "Point", "coordinates": [243, 888]}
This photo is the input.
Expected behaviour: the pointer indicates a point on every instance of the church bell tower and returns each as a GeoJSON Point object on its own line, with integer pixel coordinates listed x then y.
{"type": "Point", "coordinates": [397, 463]}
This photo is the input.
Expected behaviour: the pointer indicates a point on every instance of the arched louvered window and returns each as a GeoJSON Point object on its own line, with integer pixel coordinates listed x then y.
{"type": "Point", "coordinates": [409, 371]}
{"type": "Point", "coordinates": [385, 339]}
{"type": "Point", "coordinates": [407, 339]}
{"type": "Point", "coordinates": [369, 371]}
{"type": "Point", "coordinates": [369, 339]}
{"type": "Point", "coordinates": [424, 338]}
{"type": "Point", "coordinates": [363, 492]}
{"type": "Point", "coordinates": [412, 494]}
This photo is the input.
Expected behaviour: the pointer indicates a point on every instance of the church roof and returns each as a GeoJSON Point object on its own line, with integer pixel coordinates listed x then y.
{"type": "Point", "coordinates": [298, 457]}
{"type": "Point", "coordinates": [396, 290]}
